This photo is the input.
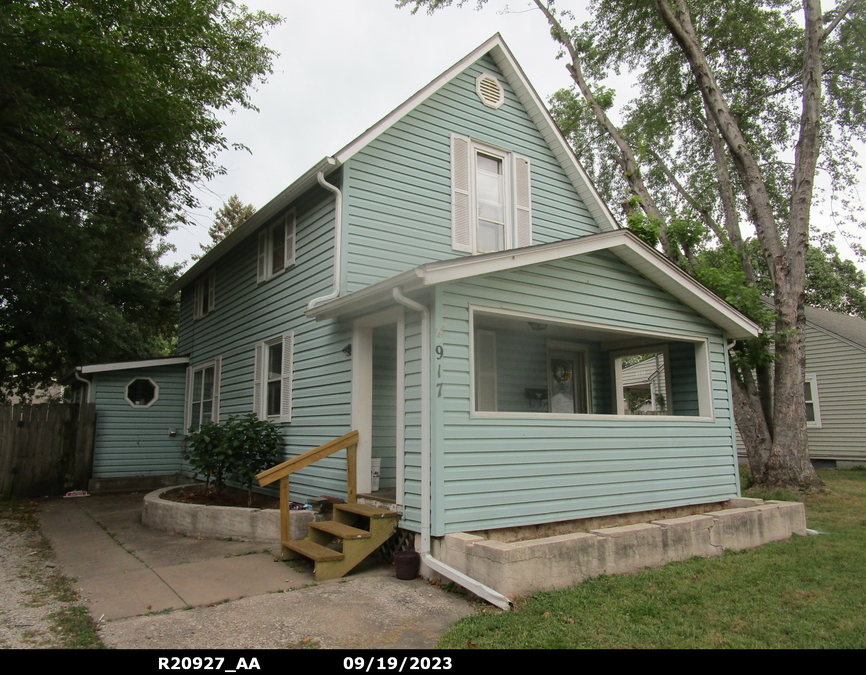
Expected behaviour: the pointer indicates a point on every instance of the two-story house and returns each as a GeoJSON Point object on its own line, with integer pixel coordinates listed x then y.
{"type": "Point", "coordinates": [451, 285]}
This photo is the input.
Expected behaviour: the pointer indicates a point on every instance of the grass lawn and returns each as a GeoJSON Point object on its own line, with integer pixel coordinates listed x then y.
{"type": "Point", "coordinates": [808, 592]}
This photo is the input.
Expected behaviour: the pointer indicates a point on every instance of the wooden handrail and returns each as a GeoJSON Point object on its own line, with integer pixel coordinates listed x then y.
{"type": "Point", "coordinates": [297, 463]}
{"type": "Point", "coordinates": [281, 472]}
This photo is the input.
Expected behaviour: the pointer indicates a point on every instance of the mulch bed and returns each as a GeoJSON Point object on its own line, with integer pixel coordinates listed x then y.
{"type": "Point", "coordinates": [195, 494]}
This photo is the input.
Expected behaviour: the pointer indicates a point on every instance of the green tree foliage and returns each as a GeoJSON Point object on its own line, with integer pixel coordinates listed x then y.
{"type": "Point", "coordinates": [108, 116]}
{"type": "Point", "coordinates": [231, 214]}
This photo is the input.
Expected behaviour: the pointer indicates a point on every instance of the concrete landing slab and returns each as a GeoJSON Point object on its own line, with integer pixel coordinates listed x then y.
{"type": "Point", "coordinates": [133, 593]}
{"type": "Point", "coordinates": [209, 581]}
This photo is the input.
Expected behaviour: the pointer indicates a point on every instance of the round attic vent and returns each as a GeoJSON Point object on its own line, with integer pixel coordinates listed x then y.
{"type": "Point", "coordinates": [489, 90]}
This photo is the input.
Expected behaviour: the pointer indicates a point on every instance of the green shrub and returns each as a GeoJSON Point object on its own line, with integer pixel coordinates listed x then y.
{"type": "Point", "coordinates": [254, 445]}
{"type": "Point", "coordinates": [239, 448]}
{"type": "Point", "coordinates": [207, 454]}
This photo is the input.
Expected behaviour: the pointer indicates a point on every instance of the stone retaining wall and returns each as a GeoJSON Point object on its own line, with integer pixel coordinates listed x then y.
{"type": "Point", "coordinates": [521, 567]}
{"type": "Point", "coordinates": [221, 522]}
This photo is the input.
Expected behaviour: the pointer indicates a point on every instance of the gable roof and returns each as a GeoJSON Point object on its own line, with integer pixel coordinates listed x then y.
{"type": "Point", "coordinates": [622, 243]}
{"type": "Point", "coordinates": [850, 328]}
{"type": "Point", "coordinates": [515, 76]}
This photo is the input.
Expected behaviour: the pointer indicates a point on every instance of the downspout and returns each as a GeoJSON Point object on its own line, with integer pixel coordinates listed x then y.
{"type": "Point", "coordinates": [470, 584]}
{"type": "Point", "coordinates": [81, 379]}
{"type": "Point", "coordinates": [338, 236]}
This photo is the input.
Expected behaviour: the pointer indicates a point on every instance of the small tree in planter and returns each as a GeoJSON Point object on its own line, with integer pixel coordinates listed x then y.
{"type": "Point", "coordinates": [206, 452]}
{"type": "Point", "coordinates": [254, 445]}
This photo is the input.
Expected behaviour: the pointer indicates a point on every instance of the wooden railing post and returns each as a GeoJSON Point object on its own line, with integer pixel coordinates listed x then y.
{"type": "Point", "coordinates": [352, 474]}
{"type": "Point", "coordinates": [285, 513]}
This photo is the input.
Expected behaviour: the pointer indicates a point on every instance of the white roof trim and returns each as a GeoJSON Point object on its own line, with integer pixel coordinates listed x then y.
{"type": "Point", "coordinates": [131, 365]}
{"type": "Point", "coordinates": [625, 245]}
{"type": "Point", "coordinates": [515, 76]}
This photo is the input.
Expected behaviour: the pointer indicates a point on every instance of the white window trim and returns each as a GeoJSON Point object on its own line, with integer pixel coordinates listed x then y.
{"type": "Point", "coordinates": [260, 380]}
{"type": "Point", "coordinates": [264, 259]}
{"type": "Point", "coordinates": [514, 213]}
{"type": "Point", "coordinates": [702, 366]}
{"type": "Point", "coordinates": [208, 279]}
{"type": "Point", "coordinates": [812, 379]}
{"type": "Point", "coordinates": [216, 364]}
{"type": "Point", "coordinates": [616, 366]}
{"type": "Point", "coordinates": [133, 403]}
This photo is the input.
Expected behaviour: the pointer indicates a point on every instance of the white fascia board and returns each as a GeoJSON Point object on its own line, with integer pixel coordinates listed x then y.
{"type": "Point", "coordinates": [543, 120]}
{"type": "Point", "coordinates": [131, 365]}
{"type": "Point", "coordinates": [415, 100]}
{"type": "Point", "coordinates": [368, 297]}
{"type": "Point", "coordinates": [254, 222]}
{"type": "Point", "coordinates": [621, 243]}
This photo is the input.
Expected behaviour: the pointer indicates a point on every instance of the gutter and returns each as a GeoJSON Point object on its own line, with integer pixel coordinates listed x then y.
{"type": "Point", "coordinates": [338, 236]}
{"type": "Point", "coordinates": [467, 582]}
{"type": "Point", "coordinates": [78, 377]}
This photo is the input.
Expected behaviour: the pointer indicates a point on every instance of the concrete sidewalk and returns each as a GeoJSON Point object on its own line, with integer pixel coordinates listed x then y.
{"type": "Point", "coordinates": [134, 577]}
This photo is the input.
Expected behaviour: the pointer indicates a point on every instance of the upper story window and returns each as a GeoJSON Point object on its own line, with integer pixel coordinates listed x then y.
{"type": "Point", "coordinates": [276, 247]}
{"type": "Point", "coordinates": [204, 295]}
{"type": "Point", "coordinates": [491, 198]}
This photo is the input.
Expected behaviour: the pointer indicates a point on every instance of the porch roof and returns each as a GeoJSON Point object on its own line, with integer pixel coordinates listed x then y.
{"type": "Point", "coordinates": [622, 243]}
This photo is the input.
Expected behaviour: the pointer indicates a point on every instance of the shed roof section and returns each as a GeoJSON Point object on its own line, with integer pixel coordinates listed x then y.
{"type": "Point", "coordinates": [511, 70]}
{"type": "Point", "coordinates": [622, 243]}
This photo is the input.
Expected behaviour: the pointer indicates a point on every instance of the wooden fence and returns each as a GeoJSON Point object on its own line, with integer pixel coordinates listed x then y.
{"type": "Point", "coordinates": [45, 449]}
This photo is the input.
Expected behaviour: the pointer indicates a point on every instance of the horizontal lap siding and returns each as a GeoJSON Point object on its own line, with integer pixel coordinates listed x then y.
{"type": "Point", "coordinates": [499, 472]}
{"type": "Point", "coordinates": [135, 441]}
{"type": "Point", "coordinates": [412, 420]}
{"type": "Point", "coordinates": [398, 191]}
{"type": "Point", "coordinates": [841, 372]}
{"type": "Point", "coordinates": [247, 312]}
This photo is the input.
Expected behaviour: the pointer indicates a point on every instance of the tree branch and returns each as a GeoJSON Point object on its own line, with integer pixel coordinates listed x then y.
{"type": "Point", "coordinates": [840, 14]}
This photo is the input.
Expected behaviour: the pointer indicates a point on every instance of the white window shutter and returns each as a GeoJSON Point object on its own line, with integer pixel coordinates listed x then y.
{"type": "Point", "coordinates": [261, 269]}
{"type": "Point", "coordinates": [461, 202]}
{"type": "Point", "coordinates": [286, 391]}
{"type": "Point", "coordinates": [522, 203]}
{"type": "Point", "coordinates": [211, 287]}
{"type": "Point", "coordinates": [290, 239]}
{"type": "Point", "coordinates": [258, 408]}
{"type": "Point", "coordinates": [188, 401]}
{"type": "Point", "coordinates": [196, 308]}
{"type": "Point", "coordinates": [485, 370]}
{"type": "Point", "coordinates": [215, 411]}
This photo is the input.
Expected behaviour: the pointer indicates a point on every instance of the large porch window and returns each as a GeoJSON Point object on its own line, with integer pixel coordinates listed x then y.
{"type": "Point", "coordinates": [530, 365]}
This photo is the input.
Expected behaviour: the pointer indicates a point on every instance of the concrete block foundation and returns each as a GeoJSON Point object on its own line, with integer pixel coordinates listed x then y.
{"type": "Point", "coordinates": [221, 522]}
{"type": "Point", "coordinates": [519, 567]}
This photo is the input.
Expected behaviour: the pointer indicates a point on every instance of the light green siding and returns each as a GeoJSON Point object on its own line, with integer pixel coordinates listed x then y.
{"type": "Point", "coordinates": [247, 312]}
{"type": "Point", "coordinates": [384, 426]}
{"type": "Point", "coordinates": [498, 471]}
{"type": "Point", "coordinates": [398, 189]}
{"type": "Point", "coordinates": [132, 441]}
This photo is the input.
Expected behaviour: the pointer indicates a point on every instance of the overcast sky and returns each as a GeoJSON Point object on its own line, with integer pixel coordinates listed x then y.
{"type": "Point", "coordinates": [343, 65]}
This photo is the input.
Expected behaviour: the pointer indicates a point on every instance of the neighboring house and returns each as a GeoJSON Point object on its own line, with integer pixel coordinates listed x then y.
{"type": "Point", "coordinates": [835, 389]}
{"type": "Point", "coordinates": [644, 386]}
{"type": "Point", "coordinates": [139, 426]}
{"type": "Point", "coordinates": [451, 285]}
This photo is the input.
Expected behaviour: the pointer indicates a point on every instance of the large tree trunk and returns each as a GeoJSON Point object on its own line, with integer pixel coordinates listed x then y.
{"type": "Point", "coordinates": [751, 422]}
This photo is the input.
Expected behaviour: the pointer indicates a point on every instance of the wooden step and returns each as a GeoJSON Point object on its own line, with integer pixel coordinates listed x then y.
{"type": "Point", "coordinates": [366, 511]}
{"type": "Point", "coordinates": [340, 530]}
{"type": "Point", "coordinates": [313, 551]}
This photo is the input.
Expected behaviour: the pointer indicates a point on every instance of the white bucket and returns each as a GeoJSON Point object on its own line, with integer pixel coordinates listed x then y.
{"type": "Point", "coordinates": [374, 478]}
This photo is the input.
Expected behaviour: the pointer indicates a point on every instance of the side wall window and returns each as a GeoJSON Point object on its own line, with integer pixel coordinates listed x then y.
{"type": "Point", "coordinates": [277, 247]}
{"type": "Point", "coordinates": [205, 291]}
{"type": "Point", "coordinates": [813, 408]}
{"type": "Point", "coordinates": [203, 398]}
{"type": "Point", "coordinates": [490, 198]}
{"type": "Point", "coordinates": [272, 385]}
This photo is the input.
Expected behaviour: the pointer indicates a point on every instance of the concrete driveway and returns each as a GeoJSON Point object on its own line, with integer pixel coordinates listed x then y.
{"type": "Point", "coordinates": [164, 591]}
